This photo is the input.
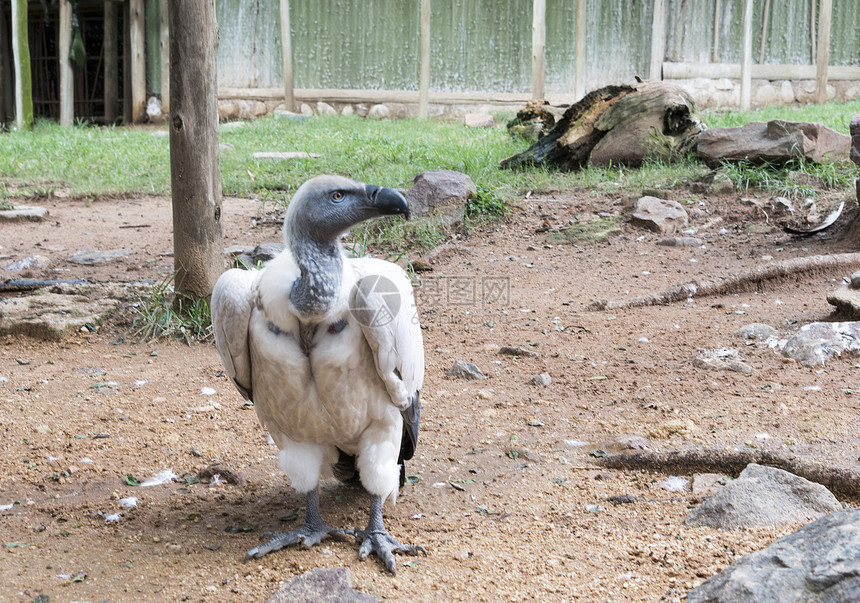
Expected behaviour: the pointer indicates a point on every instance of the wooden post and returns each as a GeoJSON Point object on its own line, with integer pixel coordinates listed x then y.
{"type": "Point", "coordinates": [813, 49]}
{"type": "Point", "coordinates": [579, 79]}
{"type": "Point", "coordinates": [7, 94]}
{"type": "Point", "coordinates": [67, 83]}
{"type": "Point", "coordinates": [23, 75]}
{"type": "Point", "coordinates": [165, 58]}
{"type": "Point", "coordinates": [195, 169]}
{"type": "Point", "coordinates": [658, 40]}
{"type": "Point", "coordinates": [137, 37]}
{"type": "Point", "coordinates": [111, 65]}
{"type": "Point", "coordinates": [825, 15]}
{"type": "Point", "coordinates": [287, 51]}
{"type": "Point", "coordinates": [424, 61]}
{"type": "Point", "coordinates": [126, 65]}
{"type": "Point", "coordinates": [746, 57]}
{"type": "Point", "coordinates": [715, 55]}
{"type": "Point", "coordinates": [765, 20]}
{"type": "Point", "coordinates": [539, 49]}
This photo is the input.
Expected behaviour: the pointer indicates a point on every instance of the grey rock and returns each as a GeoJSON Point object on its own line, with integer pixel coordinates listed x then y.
{"type": "Point", "coordinates": [847, 301]}
{"type": "Point", "coordinates": [291, 116]}
{"type": "Point", "coordinates": [721, 359]}
{"type": "Point", "coordinates": [465, 370]}
{"type": "Point", "coordinates": [542, 380]}
{"type": "Point", "coordinates": [324, 108]}
{"type": "Point", "coordinates": [442, 194]}
{"type": "Point", "coordinates": [818, 563]}
{"type": "Point", "coordinates": [306, 110]}
{"type": "Point", "coordinates": [659, 215]}
{"type": "Point", "coordinates": [814, 344]}
{"type": "Point", "coordinates": [379, 112]}
{"type": "Point", "coordinates": [623, 442]}
{"type": "Point", "coordinates": [479, 120]}
{"type": "Point", "coordinates": [321, 586]}
{"type": "Point", "coordinates": [507, 350]}
{"type": "Point", "coordinates": [285, 155]}
{"type": "Point", "coordinates": [763, 497]}
{"type": "Point", "coordinates": [31, 262]}
{"type": "Point", "coordinates": [251, 257]}
{"type": "Point", "coordinates": [707, 484]}
{"type": "Point", "coordinates": [721, 184]}
{"type": "Point", "coordinates": [347, 110]}
{"type": "Point", "coordinates": [855, 280]}
{"type": "Point", "coordinates": [776, 141]}
{"type": "Point", "coordinates": [90, 257]}
{"type": "Point", "coordinates": [681, 242]}
{"type": "Point", "coordinates": [23, 213]}
{"type": "Point", "coordinates": [757, 330]}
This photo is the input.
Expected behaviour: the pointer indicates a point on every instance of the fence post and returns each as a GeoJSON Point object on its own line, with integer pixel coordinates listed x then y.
{"type": "Point", "coordinates": [111, 66]}
{"type": "Point", "coordinates": [579, 81]}
{"type": "Point", "coordinates": [715, 55]}
{"type": "Point", "coordinates": [165, 58]}
{"type": "Point", "coordinates": [822, 58]}
{"type": "Point", "coordinates": [658, 40]}
{"type": "Point", "coordinates": [287, 51]}
{"type": "Point", "coordinates": [67, 85]}
{"type": "Point", "coordinates": [538, 49]}
{"type": "Point", "coordinates": [424, 60]}
{"type": "Point", "coordinates": [23, 76]}
{"type": "Point", "coordinates": [137, 36]}
{"type": "Point", "coordinates": [746, 57]}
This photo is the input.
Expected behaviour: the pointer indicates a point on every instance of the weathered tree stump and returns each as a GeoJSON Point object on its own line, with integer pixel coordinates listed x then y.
{"type": "Point", "coordinates": [618, 125]}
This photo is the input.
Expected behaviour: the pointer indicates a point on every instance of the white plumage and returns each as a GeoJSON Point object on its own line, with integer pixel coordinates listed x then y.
{"type": "Point", "coordinates": [330, 351]}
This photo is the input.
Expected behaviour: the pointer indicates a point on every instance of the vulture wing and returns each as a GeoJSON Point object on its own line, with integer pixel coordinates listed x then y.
{"type": "Point", "coordinates": [231, 305]}
{"type": "Point", "coordinates": [383, 303]}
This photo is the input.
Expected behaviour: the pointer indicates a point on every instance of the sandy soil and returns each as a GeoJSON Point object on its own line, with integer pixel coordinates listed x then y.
{"type": "Point", "coordinates": [507, 502]}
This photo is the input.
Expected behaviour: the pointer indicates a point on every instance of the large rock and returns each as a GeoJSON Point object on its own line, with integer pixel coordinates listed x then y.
{"type": "Point", "coordinates": [441, 193]}
{"type": "Point", "coordinates": [776, 141]}
{"type": "Point", "coordinates": [23, 213]}
{"type": "Point", "coordinates": [763, 497]}
{"type": "Point", "coordinates": [814, 344]}
{"type": "Point", "coordinates": [659, 215]}
{"type": "Point", "coordinates": [847, 298]}
{"type": "Point", "coordinates": [322, 586]}
{"type": "Point", "coordinates": [818, 563]}
{"type": "Point", "coordinates": [854, 128]}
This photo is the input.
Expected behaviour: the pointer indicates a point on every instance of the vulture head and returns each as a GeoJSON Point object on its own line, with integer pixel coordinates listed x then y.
{"type": "Point", "coordinates": [325, 207]}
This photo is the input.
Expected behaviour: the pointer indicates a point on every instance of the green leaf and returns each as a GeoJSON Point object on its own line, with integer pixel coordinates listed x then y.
{"type": "Point", "coordinates": [15, 545]}
{"type": "Point", "coordinates": [598, 454]}
{"type": "Point", "coordinates": [241, 528]}
{"type": "Point", "coordinates": [131, 480]}
{"type": "Point", "coordinates": [457, 486]}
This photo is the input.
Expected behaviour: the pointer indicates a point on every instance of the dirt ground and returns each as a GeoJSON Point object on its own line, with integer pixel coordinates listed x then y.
{"type": "Point", "coordinates": [508, 502]}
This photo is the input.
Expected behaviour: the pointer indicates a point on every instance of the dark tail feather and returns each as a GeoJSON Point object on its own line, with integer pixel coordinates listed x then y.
{"type": "Point", "coordinates": [344, 470]}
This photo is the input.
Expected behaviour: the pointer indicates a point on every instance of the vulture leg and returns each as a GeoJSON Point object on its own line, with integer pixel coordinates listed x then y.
{"type": "Point", "coordinates": [375, 539]}
{"type": "Point", "coordinates": [313, 532]}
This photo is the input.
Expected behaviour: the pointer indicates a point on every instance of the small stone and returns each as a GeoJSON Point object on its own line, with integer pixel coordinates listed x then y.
{"type": "Point", "coordinates": [672, 427]}
{"type": "Point", "coordinates": [379, 112]}
{"type": "Point", "coordinates": [707, 484]}
{"type": "Point", "coordinates": [90, 257]}
{"type": "Point", "coordinates": [542, 380]}
{"type": "Point", "coordinates": [347, 110]}
{"type": "Point", "coordinates": [31, 262]}
{"type": "Point", "coordinates": [23, 213]}
{"type": "Point", "coordinates": [306, 110]}
{"type": "Point", "coordinates": [289, 115]}
{"type": "Point", "coordinates": [756, 330]}
{"type": "Point", "coordinates": [324, 108]}
{"type": "Point", "coordinates": [855, 280]}
{"type": "Point", "coordinates": [515, 351]}
{"type": "Point", "coordinates": [22, 361]}
{"type": "Point", "coordinates": [659, 215]}
{"type": "Point", "coordinates": [681, 242]}
{"type": "Point", "coordinates": [465, 370]}
{"type": "Point", "coordinates": [479, 120]}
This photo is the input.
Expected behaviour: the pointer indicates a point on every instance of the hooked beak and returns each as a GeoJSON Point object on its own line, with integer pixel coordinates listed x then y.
{"type": "Point", "coordinates": [387, 201]}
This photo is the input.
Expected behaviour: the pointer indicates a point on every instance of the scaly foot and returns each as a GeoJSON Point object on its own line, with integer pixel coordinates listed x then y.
{"type": "Point", "coordinates": [375, 539]}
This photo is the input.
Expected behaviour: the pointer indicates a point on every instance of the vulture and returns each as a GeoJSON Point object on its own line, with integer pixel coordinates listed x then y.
{"type": "Point", "coordinates": [329, 350]}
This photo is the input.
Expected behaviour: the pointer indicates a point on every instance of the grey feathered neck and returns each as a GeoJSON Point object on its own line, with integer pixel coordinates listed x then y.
{"type": "Point", "coordinates": [321, 264]}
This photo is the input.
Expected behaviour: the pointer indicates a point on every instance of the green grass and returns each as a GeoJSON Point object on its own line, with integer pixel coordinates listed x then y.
{"type": "Point", "coordinates": [161, 315]}
{"type": "Point", "coordinates": [833, 115]}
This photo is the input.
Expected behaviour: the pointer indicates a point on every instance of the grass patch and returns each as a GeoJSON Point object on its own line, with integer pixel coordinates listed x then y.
{"type": "Point", "coordinates": [162, 315]}
{"type": "Point", "coordinates": [796, 179]}
{"type": "Point", "coordinates": [833, 115]}
{"type": "Point", "coordinates": [585, 232]}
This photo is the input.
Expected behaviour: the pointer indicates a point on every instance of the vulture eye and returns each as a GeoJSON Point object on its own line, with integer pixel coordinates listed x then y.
{"type": "Point", "coordinates": [337, 196]}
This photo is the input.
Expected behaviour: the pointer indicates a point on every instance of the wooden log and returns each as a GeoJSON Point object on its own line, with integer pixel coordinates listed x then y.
{"type": "Point", "coordinates": [195, 174]}
{"type": "Point", "coordinates": [111, 66]}
{"type": "Point", "coordinates": [538, 49]}
{"type": "Point", "coordinates": [7, 92]}
{"type": "Point", "coordinates": [67, 87]}
{"type": "Point", "coordinates": [658, 40]}
{"type": "Point", "coordinates": [287, 55]}
{"type": "Point", "coordinates": [746, 57]}
{"type": "Point", "coordinates": [621, 125]}
{"type": "Point", "coordinates": [825, 16]}
{"type": "Point", "coordinates": [137, 39]}
{"type": "Point", "coordinates": [424, 60]}
{"type": "Point", "coordinates": [579, 75]}
{"type": "Point", "coordinates": [23, 75]}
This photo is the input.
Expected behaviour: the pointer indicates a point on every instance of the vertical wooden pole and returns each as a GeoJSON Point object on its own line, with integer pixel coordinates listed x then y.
{"type": "Point", "coordinates": [766, 18]}
{"type": "Point", "coordinates": [424, 61]}
{"type": "Point", "coordinates": [287, 51]}
{"type": "Point", "coordinates": [7, 94]}
{"type": "Point", "coordinates": [195, 167]}
{"type": "Point", "coordinates": [539, 50]}
{"type": "Point", "coordinates": [165, 58]}
{"type": "Point", "coordinates": [137, 37]}
{"type": "Point", "coordinates": [67, 83]}
{"type": "Point", "coordinates": [715, 55]}
{"type": "Point", "coordinates": [746, 57]}
{"type": "Point", "coordinates": [825, 15]}
{"type": "Point", "coordinates": [658, 40]}
{"type": "Point", "coordinates": [23, 75]}
{"type": "Point", "coordinates": [126, 64]}
{"type": "Point", "coordinates": [813, 49]}
{"type": "Point", "coordinates": [579, 80]}
{"type": "Point", "coordinates": [111, 65]}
